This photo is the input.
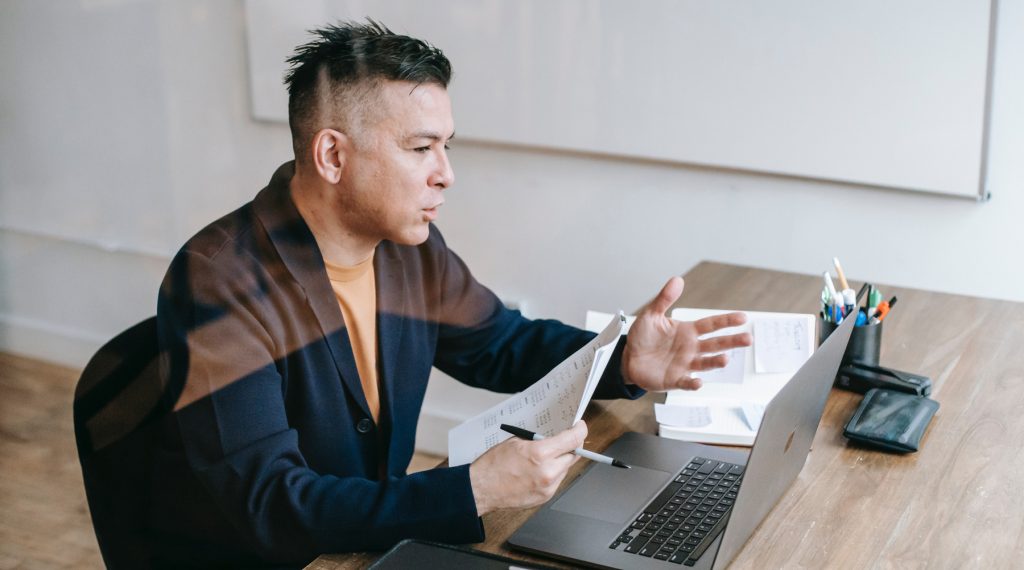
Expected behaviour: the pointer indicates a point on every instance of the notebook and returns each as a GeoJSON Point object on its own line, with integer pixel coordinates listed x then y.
{"type": "Point", "coordinates": [728, 407]}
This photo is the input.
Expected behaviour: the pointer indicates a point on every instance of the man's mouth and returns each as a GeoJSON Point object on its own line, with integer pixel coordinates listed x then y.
{"type": "Point", "coordinates": [431, 213]}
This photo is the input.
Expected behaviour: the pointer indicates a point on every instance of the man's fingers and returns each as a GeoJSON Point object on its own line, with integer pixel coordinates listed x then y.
{"type": "Point", "coordinates": [724, 342]}
{"type": "Point", "coordinates": [564, 442]}
{"type": "Point", "coordinates": [687, 383]}
{"type": "Point", "coordinates": [717, 322]}
{"type": "Point", "coordinates": [668, 295]}
{"type": "Point", "coordinates": [710, 362]}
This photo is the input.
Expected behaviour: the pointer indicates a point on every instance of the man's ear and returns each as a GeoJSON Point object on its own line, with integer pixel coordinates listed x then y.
{"type": "Point", "coordinates": [330, 149]}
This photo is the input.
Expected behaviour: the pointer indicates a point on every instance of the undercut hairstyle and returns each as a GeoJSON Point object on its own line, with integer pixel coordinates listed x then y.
{"type": "Point", "coordinates": [333, 79]}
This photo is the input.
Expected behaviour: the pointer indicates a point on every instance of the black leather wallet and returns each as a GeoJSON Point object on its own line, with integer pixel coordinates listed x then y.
{"type": "Point", "coordinates": [891, 420]}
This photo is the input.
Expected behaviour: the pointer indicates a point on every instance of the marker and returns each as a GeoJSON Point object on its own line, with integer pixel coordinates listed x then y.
{"type": "Point", "coordinates": [862, 319]}
{"type": "Point", "coordinates": [850, 301]}
{"type": "Point", "coordinates": [874, 298]}
{"type": "Point", "coordinates": [888, 308]}
{"type": "Point", "coordinates": [531, 436]}
{"type": "Point", "coordinates": [833, 295]}
{"type": "Point", "coordinates": [880, 312]}
{"type": "Point", "coordinates": [839, 272]}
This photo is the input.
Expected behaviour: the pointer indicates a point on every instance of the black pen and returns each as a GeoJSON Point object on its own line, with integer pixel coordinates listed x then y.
{"type": "Point", "coordinates": [529, 435]}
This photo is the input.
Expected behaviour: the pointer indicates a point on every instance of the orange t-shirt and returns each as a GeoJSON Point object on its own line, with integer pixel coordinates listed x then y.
{"type": "Point", "coordinates": [355, 289]}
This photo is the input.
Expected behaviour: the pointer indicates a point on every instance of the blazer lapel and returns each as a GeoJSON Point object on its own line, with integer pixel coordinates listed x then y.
{"type": "Point", "coordinates": [297, 248]}
{"type": "Point", "coordinates": [391, 320]}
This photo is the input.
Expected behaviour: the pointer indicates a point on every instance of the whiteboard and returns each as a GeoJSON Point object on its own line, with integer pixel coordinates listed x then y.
{"type": "Point", "coordinates": [890, 94]}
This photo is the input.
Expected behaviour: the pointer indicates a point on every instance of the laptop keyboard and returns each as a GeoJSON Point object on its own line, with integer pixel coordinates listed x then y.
{"type": "Point", "coordinates": [686, 517]}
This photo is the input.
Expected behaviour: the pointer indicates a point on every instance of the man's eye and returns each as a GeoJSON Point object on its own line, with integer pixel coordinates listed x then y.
{"type": "Point", "coordinates": [422, 149]}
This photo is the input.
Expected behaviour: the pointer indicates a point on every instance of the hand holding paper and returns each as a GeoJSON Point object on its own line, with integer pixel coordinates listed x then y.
{"type": "Point", "coordinates": [554, 403]}
{"type": "Point", "coordinates": [661, 353]}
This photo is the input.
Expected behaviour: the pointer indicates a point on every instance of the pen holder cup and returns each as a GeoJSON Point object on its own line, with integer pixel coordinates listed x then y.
{"type": "Point", "coordinates": [865, 342]}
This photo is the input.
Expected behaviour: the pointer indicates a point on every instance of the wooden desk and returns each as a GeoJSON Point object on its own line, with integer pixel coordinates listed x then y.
{"type": "Point", "coordinates": [957, 503]}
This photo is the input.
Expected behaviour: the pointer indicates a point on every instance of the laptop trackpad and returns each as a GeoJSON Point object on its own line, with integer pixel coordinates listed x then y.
{"type": "Point", "coordinates": [611, 494]}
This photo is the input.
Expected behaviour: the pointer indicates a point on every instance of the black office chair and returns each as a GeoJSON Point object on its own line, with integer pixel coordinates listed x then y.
{"type": "Point", "coordinates": [117, 399]}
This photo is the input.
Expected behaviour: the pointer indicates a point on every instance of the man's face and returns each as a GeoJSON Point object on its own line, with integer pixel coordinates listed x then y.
{"type": "Point", "coordinates": [397, 165]}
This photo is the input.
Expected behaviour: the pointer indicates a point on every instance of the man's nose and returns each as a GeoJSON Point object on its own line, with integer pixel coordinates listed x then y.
{"type": "Point", "coordinates": [444, 176]}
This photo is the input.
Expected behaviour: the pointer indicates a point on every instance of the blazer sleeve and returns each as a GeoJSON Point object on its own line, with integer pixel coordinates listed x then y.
{"type": "Point", "coordinates": [238, 442]}
{"type": "Point", "coordinates": [484, 344]}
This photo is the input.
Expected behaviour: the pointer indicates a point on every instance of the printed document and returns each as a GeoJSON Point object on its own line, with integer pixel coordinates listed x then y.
{"type": "Point", "coordinates": [551, 405]}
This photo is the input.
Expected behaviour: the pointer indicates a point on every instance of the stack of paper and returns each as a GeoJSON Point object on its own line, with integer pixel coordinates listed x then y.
{"type": "Point", "coordinates": [551, 405]}
{"type": "Point", "coordinates": [727, 409]}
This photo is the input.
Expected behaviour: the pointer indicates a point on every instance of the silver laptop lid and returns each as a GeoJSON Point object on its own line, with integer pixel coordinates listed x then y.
{"type": "Point", "coordinates": [783, 442]}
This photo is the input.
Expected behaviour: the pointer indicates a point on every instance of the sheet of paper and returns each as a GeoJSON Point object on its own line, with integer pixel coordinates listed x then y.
{"type": "Point", "coordinates": [730, 420]}
{"type": "Point", "coordinates": [596, 321]}
{"type": "Point", "coordinates": [726, 415]}
{"type": "Point", "coordinates": [732, 373]}
{"type": "Point", "coordinates": [552, 404]}
{"type": "Point", "coordinates": [752, 414]}
{"type": "Point", "coordinates": [682, 416]}
{"type": "Point", "coordinates": [601, 358]}
{"type": "Point", "coordinates": [780, 345]}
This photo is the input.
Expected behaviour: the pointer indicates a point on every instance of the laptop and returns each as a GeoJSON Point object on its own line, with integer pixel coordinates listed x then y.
{"type": "Point", "coordinates": [686, 505]}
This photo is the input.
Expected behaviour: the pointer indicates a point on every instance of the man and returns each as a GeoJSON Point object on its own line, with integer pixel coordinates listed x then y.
{"type": "Point", "coordinates": [300, 331]}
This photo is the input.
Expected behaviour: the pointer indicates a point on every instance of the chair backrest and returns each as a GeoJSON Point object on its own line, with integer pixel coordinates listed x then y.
{"type": "Point", "coordinates": [117, 398]}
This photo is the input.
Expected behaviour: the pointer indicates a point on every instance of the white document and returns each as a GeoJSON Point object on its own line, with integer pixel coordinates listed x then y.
{"type": "Point", "coordinates": [727, 423]}
{"type": "Point", "coordinates": [752, 414]}
{"type": "Point", "coordinates": [596, 321]}
{"type": "Point", "coordinates": [780, 345]}
{"type": "Point", "coordinates": [682, 416]}
{"type": "Point", "coordinates": [732, 372]}
{"type": "Point", "coordinates": [551, 405]}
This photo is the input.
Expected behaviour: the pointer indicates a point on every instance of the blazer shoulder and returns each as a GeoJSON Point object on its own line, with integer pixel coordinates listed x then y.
{"type": "Point", "coordinates": [225, 255]}
{"type": "Point", "coordinates": [234, 229]}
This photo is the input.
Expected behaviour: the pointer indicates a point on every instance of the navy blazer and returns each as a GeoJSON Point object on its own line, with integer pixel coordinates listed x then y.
{"type": "Point", "coordinates": [271, 455]}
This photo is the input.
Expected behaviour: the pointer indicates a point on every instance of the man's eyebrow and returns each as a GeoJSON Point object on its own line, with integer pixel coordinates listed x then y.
{"type": "Point", "coordinates": [432, 135]}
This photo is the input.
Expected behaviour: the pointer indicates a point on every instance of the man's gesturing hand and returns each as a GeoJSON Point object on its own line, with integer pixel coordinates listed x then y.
{"type": "Point", "coordinates": [517, 473]}
{"type": "Point", "coordinates": [661, 353]}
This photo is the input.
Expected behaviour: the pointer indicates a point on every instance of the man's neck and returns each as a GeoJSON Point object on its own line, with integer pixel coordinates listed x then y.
{"type": "Point", "coordinates": [319, 209]}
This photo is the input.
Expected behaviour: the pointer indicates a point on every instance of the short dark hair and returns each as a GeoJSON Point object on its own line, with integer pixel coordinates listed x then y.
{"type": "Point", "coordinates": [341, 67]}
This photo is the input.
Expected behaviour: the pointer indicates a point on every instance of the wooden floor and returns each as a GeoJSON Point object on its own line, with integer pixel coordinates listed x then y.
{"type": "Point", "coordinates": [44, 519]}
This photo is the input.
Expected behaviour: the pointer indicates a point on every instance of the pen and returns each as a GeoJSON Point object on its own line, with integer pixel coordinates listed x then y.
{"type": "Point", "coordinates": [529, 435]}
{"type": "Point", "coordinates": [863, 288]}
{"type": "Point", "coordinates": [839, 272]}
